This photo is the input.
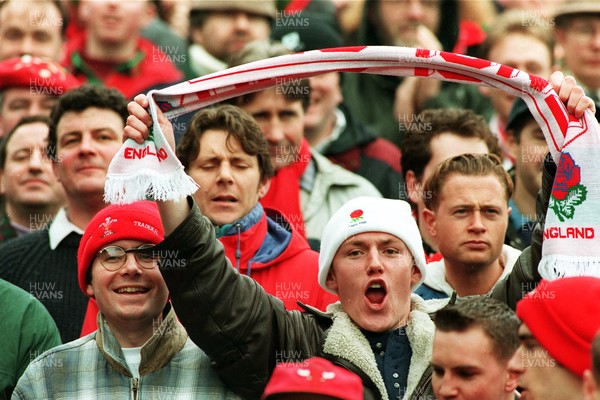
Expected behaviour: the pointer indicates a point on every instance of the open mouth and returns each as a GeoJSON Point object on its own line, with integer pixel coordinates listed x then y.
{"type": "Point", "coordinates": [376, 293]}
{"type": "Point", "coordinates": [225, 199]}
{"type": "Point", "coordinates": [132, 290]}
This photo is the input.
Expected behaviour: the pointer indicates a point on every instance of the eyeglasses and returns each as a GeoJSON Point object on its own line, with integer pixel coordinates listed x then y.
{"type": "Point", "coordinates": [113, 258]}
{"type": "Point", "coordinates": [584, 31]}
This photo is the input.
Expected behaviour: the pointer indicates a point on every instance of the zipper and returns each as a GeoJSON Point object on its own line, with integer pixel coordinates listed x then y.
{"type": "Point", "coordinates": [134, 387]}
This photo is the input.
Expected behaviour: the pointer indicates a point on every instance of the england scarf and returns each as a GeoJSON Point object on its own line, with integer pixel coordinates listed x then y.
{"type": "Point", "coordinates": [571, 246]}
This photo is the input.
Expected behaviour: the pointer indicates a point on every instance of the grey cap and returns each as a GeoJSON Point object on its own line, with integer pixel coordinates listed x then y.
{"type": "Point", "coordinates": [258, 7]}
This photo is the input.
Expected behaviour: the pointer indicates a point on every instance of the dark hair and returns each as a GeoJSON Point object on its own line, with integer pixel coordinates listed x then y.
{"type": "Point", "coordinates": [469, 165]}
{"type": "Point", "coordinates": [416, 146]}
{"type": "Point", "coordinates": [292, 89]}
{"type": "Point", "coordinates": [80, 99]}
{"type": "Point", "coordinates": [62, 10]}
{"type": "Point", "coordinates": [23, 121]}
{"type": "Point", "coordinates": [237, 124]}
{"type": "Point", "coordinates": [496, 319]}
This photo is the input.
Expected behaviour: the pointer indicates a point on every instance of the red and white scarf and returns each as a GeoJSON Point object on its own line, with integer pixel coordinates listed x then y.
{"type": "Point", "coordinates": [571, 236]}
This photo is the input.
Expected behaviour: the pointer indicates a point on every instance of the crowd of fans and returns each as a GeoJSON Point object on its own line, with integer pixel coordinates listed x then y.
{"type": "Point", "coordinates": [353, 235]}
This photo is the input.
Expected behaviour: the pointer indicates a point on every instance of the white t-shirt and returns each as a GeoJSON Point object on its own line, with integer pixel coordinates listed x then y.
{"type": "Point", "coordinates": [133, 357]}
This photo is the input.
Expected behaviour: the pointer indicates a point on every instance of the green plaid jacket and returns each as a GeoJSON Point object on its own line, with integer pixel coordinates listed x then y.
{"type": "Point", "coordinates": [93, 367]}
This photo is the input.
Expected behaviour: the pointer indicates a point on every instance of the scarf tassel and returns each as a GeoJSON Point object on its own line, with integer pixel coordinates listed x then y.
{"type": "Point", "coordinates": [554, 266]}
{"type": "Point", "coordinates": [149, 184]}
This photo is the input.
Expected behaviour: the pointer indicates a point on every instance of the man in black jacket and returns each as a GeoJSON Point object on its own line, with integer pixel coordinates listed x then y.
{"type": "Point", "coordinates": [371, 256]}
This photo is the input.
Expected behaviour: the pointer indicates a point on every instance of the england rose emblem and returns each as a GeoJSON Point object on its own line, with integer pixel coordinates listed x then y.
{"type": "Point", "coordinates": [567, 191]}
{"type": "Point", "coordinates": [356, 215]}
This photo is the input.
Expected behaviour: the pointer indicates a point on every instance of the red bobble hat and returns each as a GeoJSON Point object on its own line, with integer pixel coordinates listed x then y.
{"type": "Point", "coordinates": [564, 316]}
{"type": "Point", "coordinates": [136, 221]}
{"type": "Point", "coordinates": [41, 76]}
{"type": "Point", "coordinates": [315, 375]}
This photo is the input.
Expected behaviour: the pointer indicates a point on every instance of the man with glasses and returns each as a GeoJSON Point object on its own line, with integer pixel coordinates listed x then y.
{"type": "Point", "coordinates": [578, 34]}
{"type": "Point", "coordinates": [140, 349]}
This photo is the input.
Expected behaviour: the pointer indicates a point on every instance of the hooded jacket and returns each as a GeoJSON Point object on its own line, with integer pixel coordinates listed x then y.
{"type": "Point", "coordinates": [266, 247]}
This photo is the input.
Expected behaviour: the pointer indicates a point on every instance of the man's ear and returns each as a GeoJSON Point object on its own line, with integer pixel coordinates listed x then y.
{"type": "Point", "coordinates": [196, 35]}
{"type": "Point", "coordinates": [413, 186]}
{"type": "Point", "coordinates": [55, 169]}
{"type": "Point", "coordinates": [416, 275]}
{"type": "Point", "coordinates": [512, 381]}
{"type": "Point", "coordinates": [263, 187]}
{"type": "Point", "coordinates": [511, 143]}
{"type": "Point", "coordinates": [89, 290]}
{"type": "Point", "coordinates": [590, 386]}
{"type": "Point", "coordinates": [485, 91]}
{"type": "Point", "coordinates": [2, 185]}
{"type": "Point", "coordinates": [429, 217]}
{"type": "Point", "coordinates": [331, 281]}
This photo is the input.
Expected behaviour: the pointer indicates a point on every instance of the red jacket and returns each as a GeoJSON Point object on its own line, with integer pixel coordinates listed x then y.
{"type": "Point", "coordinates": [149, 68]}
{"type": "Point", "coordinates": [276, 256]}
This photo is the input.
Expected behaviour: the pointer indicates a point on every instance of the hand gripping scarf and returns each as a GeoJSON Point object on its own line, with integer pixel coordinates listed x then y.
{"type": "Point", "coordinates": [571, 246]}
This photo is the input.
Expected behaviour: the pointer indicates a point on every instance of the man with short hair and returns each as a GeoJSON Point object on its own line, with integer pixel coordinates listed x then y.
{"type": "Point", "coordinates": [473, 343]}
{"type": "Point", "coordinates": [221, 29]}
{"type": "Point", "coordinates": [225, 152]}
{"type": "Point", "coordinates": [112, 52]}
{"type": "Point", "coordinates": [439, 135]}
{"type": "Point", "coordinates": [560, 319]}
{"type": "Point", "coordinates": [85, 134]}
{"type": "Point", "coordinates": [140, 349]}
{"type": "Point", "coordinates": [577, 31]}
{"type": "Point", "coordinates": [591, 377]}
{"type": "Point", "coordinates": [466, 200]}
{"type": "Point", "coordinates": [33, 195]}
{"type": "Point", "coordinates": [34, 28]}
{"type": "Point", "coordinates": [30, 86]}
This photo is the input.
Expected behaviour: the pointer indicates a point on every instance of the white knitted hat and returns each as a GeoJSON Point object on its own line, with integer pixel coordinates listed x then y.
{"type": "Point", "coordinates": [370, 214]}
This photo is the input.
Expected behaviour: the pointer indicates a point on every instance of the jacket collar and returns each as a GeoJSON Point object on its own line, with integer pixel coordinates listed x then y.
{"type": "Point", "coordinates": [436, 271]}
{"type": "Point", "coordinates": [167, 340]}
{"type": "Point", "coordinates": [255, 241]}
{"type": "Point", "coordinates": [345, 340]}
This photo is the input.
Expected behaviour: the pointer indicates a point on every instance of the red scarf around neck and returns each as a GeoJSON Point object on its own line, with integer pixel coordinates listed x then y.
{"type": "Point", "coordinates": [284, 193]}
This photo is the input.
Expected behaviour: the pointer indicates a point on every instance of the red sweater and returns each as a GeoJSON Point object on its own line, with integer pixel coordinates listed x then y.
{"type": "Point", "coordinates": [149, 68]}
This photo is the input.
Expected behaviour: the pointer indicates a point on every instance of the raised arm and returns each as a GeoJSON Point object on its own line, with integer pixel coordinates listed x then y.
{"type": "Point", "coordinates": [172, 213]}
{"type": "Point", "coordinates": [243, 329]}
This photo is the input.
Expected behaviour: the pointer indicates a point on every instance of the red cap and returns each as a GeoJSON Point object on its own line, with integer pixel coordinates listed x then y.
{"type": "Point", "coordinates": [315, 376]}
{"type": "Point", "coordinates": [43, 77]}
{"type": "Point", "coordinates": [136, 221]}
{"type": "Point", "coordinates": [564, 316]}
